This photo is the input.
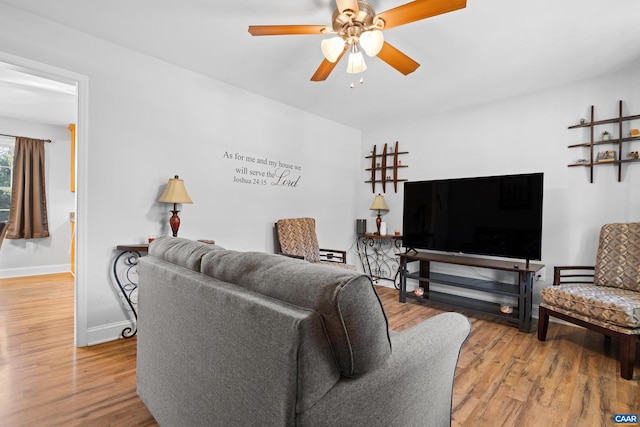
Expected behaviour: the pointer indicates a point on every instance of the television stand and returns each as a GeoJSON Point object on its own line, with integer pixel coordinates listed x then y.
{"type": "Point", "coordinates": [520, 289]}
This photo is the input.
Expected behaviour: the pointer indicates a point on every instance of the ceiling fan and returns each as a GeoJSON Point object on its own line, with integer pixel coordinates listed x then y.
{"type": "Point", "coordinates": [356, 28]}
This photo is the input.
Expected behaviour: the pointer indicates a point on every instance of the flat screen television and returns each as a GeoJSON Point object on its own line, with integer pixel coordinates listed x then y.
{"type": "Point", "coordinates": [493, 215]}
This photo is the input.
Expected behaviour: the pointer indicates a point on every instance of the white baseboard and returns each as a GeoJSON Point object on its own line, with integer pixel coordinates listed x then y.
{"type": "Point", "coordinates": [34, 271]}
{"type": "Point", "coordinates": [105, 333]}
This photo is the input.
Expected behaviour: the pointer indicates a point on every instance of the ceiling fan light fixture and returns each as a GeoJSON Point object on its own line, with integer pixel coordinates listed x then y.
{"type": "Point", "coordinates": [372, 42]}
{"type": "Point", "coordinates": [357, 26]}
{"type": "Point", "coordinates": [332, 48]}
{"type": "Point", "coordinates": [356, 61]}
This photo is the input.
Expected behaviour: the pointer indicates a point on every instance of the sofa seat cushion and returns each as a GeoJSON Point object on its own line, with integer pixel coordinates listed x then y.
{"type": "Point", "coordinates": [350, 308]}
{"type": "Point", "coordinates": [339, 265]}
{"type": "Point", "coordinates": [612, 306]}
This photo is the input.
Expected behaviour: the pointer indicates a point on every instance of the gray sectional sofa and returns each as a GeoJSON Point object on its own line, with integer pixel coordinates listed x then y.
{"type": "Point", "coordinates": [232, 338]}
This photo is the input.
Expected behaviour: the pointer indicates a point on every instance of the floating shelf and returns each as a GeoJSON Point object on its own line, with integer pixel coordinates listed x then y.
{"type": "Point", "coordinates": [382, 167]}
{"type": "Point", "coordinates": [618, 142]}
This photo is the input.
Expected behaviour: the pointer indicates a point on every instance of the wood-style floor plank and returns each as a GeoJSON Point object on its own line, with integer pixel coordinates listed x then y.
{"type": "Point", "coordinates": [504, 377]}
{"type": "Point", "coordinates": [44, 379]}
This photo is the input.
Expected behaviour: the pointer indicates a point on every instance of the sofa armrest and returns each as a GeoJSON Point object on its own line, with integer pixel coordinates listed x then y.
{"type": "Point", "coordinates": [414, 386]}
{"type": "Point", "coordinates": [573, 274]}
{"type": "Point", "coordinates": [333, 255]}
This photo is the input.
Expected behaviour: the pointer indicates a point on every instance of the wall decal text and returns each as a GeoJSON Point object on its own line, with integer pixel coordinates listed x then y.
{"type": "Point", "coordinates": [263, 171]}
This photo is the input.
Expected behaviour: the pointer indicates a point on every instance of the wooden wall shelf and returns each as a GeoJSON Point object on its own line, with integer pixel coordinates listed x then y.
{"type": "Point", "coordinates": [618, 142]}
{"type": "Point", "coordinates": [383, 166]}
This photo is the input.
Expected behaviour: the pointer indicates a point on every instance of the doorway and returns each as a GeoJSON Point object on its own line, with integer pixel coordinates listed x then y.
{"type": "Point", "coordinates": [66, 90]}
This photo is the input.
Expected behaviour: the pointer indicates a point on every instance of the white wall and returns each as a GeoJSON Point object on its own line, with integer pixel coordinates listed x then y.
{"type": "Point", "coordinates": [529, 134]}
{"type": "Point", "coordinates": [22, 257]}
{"type": "Point", "coordinates": [148, 121]}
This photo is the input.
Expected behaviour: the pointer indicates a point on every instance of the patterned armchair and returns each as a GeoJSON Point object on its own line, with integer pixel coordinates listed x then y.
{"type": "Point", "coordinates": [604, 298]}
{"type": "Point", "coordinates": [296, 237]}
{"type": "Point", "coordinates": [4, 226]}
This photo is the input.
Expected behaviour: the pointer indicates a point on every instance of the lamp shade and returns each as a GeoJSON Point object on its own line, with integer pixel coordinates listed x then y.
{"type": "Point", "coordinates": [175, 192]}
{"type": "Point", "coordinates": [371, 42]}
{"type": "Point", "coordinates": [379, 204]}
{"type": "Point", "coordinates": [332, 48]}
{"type": "Point", "coordinates": [356, 63]}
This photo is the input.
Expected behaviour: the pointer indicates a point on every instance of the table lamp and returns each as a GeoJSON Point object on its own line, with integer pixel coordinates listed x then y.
{"type": "Point", "coordinates": [380, 205]}
{"type": "Point", "coordinates": [175, 193]}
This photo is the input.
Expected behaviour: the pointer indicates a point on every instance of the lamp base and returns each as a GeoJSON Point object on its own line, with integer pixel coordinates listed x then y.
{"type": "Point", "coordinates": [174, 222]}
{"type": "Point", "coordinates": [378, 222]}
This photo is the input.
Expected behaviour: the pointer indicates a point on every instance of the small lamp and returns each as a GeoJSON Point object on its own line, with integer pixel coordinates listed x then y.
{"type": "Point", "coordinates": [380, 205]}
{"type": "Point", "coordinates": [175, 193]}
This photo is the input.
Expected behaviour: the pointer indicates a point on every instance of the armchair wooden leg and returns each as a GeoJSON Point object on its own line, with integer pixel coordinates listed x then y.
{"type": "Point", "coordinates": [627, 355]}
{"type": "Point", "coordinates": [543, 323]}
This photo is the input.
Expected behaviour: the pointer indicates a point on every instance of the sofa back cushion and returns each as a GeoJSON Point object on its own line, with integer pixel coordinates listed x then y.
{"type": "Point", "coordinates": [350, 308]}
{"type": "Point", "coordinates": [618, 258]}
{"type": "Point", "coordinates": [183, 252]}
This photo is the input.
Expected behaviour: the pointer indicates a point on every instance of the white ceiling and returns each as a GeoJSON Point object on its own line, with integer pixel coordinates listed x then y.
{"type": "Point", "coordinates": [33, 98]}
{"type": "Point", "coordinates": [491, 49]}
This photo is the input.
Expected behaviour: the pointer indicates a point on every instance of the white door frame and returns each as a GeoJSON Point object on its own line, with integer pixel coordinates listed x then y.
{"type": "Point", "coordinates": [82, 147]}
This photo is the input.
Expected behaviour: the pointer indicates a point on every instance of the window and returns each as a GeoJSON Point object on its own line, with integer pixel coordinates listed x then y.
{"type": "Point", "coordinates": [6, 173]}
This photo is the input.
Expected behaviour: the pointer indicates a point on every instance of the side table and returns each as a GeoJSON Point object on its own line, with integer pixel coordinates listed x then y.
{"type": "Point", "coordinates": [378, 255]}
{"type": "Point", "coordinates": [125, 274]}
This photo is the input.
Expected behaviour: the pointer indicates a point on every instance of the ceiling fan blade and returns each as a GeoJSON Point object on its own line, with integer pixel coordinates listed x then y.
{"type": "Point", "coordinates": [283, 30]}
{"type": "Point", "coordinates": [417, 10]}
{"type": "Point", "coordinates": [326, 68]}
{"type": "Point", "coordinates": [397, 59]}
{"type": "Point", "coordinates": [348, 5]}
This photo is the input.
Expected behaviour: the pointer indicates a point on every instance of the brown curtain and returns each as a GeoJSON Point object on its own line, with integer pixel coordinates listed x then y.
{"type": "Point", "coordinates": [28, 211]}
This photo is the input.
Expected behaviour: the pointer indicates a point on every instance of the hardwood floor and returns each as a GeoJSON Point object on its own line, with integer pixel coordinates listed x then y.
{"type": "Point", "coordinates": [504, 377]}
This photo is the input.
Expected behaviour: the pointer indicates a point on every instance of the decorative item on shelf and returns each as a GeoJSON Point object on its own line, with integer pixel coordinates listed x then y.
{"type": "Point", "coordinates": [175, 193]}
{"type": "Point", "coordinates": [606, 156]}
{"type": "Point", "coordinates": [380, 205]}
{"type": "Point", "coordinates": [506, 308]}
{"type": "Point", "coordinates": [633, 155]}
{"type": "Point", "coordinates": [582, 161]}
{"type": "Point", "coordinates": [634, 132]}
{"type": "Point", "coordinates": [383, 228]}
{"type": "Point", "coordinates": [582, 121]}
{"type": "Point", "coordinates": [361, 226]}
{"type": "Point", "coordinates": [606, 136]}
{"type": "Point", "coordinates": [419, 292]}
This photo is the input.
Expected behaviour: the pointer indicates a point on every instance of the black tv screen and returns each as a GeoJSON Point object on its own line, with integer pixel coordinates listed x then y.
{"type": "Point", "coordinates": [494, 215]}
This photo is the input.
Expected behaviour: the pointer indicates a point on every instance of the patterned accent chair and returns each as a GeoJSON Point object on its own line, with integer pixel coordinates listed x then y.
{"type": "Point", "coordinates": [4, 226]}
{"type": "Point", "coordinates": [604, 298]}
{"type": "Point", "coordinates": [296, 237]}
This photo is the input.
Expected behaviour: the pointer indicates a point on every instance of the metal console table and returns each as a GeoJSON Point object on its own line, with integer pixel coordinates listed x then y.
{"type": "Point", "coordinates": [125, 274]}
{"type": "Point", "coordinates": [379, 255]}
